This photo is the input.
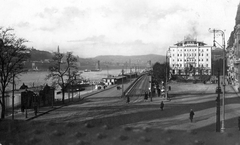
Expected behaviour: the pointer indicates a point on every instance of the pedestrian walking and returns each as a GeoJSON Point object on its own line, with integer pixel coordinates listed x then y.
{"type": "Point", "coordinates": [191, 115]}
{"type": "Point", "coordinates": [146, 96]}
{"type": "Point", "coordinates": [162, 105]}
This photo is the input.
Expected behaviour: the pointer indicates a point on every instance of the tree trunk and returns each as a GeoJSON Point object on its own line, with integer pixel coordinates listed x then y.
{"type": "Point", "coordinates": [63, 95]}
{"type": "Point", "coordinates": [3, 105]}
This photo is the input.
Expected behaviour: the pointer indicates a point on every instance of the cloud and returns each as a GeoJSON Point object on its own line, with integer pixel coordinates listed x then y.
{"type": "Point", "coordinates": [123, 27]}
{"type": "Point", "coordinates": [91, 40]}
{"type": "Point", "coordinates": [52, 18]}
{"type": "Point", "coordinates": [23, 24]}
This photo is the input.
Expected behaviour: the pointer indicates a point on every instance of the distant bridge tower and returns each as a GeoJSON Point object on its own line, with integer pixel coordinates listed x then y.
{"type": "Point", "coordinates": [98, 65]}
{"type": "Point", "coordinates": [149, 64]}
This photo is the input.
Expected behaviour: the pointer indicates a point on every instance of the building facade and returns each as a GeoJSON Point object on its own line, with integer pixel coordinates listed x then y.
{"type": "Point", "coordinates": [233, 59]}
{"type": "Point", "coordinates": [190, 57]}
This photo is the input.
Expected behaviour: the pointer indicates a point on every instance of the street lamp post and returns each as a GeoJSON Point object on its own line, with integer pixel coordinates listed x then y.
{"type": "Point", "coordinates": [166, 89]}
{"type": "Point", "coordinates": [224, 85]}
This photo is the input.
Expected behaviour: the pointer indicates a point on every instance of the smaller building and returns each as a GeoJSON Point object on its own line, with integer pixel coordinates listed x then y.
{"type": "Point", "coordinates": [114, 80]}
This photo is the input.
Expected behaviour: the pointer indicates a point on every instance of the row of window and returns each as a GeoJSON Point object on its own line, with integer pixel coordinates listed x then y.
{"type": "Point", "coordinates": [190, 60]}
{"type": "Point", "coordinates": [185, 65]}
{"type": "Point", "coordinates": [190, 49]}
{"type": "Point", "coordinates": [190, 54]}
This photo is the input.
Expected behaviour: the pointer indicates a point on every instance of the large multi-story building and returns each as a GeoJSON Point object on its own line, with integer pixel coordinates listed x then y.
{"type": "Point", "coordinates": [190, 57]}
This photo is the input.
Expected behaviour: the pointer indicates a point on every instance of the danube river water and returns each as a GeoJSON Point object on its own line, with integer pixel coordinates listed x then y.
{"type": "Point", "coordinates": [38, 78]}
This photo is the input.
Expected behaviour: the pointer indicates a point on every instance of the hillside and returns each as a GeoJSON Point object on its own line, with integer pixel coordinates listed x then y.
{"type": "Point", "coordinates": [42, 59]}
{"type": "Point", "coordinates": [140, 59]}
{"type": "Point", "coordinates": [38, 55]}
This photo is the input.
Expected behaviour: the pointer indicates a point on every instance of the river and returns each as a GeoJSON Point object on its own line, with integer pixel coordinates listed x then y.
{"type": "Point", "coordinates": [38, 78]}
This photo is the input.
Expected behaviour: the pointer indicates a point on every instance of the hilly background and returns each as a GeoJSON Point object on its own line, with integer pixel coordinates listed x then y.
{"type": "Point", "coordinates": [42, 60]}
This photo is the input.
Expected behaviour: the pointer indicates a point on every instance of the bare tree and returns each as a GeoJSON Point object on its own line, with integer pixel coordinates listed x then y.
{"type": "Point", "coordinates": [12, 55]}
{"type": "Point", "coordinates": [63, 71]}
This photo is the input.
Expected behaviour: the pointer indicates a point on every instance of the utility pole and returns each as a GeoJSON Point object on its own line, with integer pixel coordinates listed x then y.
{"type": "Point", "coordinates": [13, 98]}
{"type": "Point", "coordinates": [151, 90]}
{"type": "Point", "coordinates": [122, 83]}
{"type": "Point", "coordinates": [68, 84]}
{"type": "Point", "coordinates": [130, 71]}
{"type": "Point", "coordinates": [224, 67]}
{"type": "Point", "coordinates": [218, 125]}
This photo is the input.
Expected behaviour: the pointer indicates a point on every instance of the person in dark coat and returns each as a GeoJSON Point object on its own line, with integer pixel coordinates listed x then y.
{"type": "Point", "coordinates": [191, 114]}
{"type": "Point", "coordinates": [162, 105]}
{"type": "Point", "coordinates": [158, 92]}
{"type": "Point", "coordinates": [146, 96]}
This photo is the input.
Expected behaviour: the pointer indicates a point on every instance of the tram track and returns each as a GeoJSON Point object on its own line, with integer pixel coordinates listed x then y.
{"type": "Point", "coordinates": [119, 106]}
{"type": "Point", "coordinates": [137, 91]}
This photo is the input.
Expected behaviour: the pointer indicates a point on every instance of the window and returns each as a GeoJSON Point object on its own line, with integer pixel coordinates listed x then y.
{"type": "Point", "coordinates": [202, 54]}
{"type": "Point", "coordinates": [207, 54]}
{"type": "Point", "coordinates": [206, 65]}
{"type": "Point", "coordinates": [206, 59]}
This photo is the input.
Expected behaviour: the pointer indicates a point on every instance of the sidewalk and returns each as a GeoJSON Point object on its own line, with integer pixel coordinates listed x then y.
{"type": "Point", "coordinates": [29, 114]}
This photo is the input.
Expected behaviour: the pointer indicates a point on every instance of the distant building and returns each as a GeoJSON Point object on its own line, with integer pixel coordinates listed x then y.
{"type": "Point", "coordinates": [190, 57]}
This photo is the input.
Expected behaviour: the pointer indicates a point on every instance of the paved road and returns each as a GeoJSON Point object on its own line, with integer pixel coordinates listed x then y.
{"type": "Point", "coordinates": [201, 98]}
{"type": "Point", "coordinates": [109, 108]}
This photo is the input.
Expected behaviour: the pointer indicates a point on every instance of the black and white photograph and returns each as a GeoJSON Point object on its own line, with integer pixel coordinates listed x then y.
{"type": "Point", "coordinates": [119, 72]}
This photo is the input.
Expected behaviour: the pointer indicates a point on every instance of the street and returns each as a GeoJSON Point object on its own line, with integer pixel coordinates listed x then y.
{"type": "Point", "coordinates": [112, 111]}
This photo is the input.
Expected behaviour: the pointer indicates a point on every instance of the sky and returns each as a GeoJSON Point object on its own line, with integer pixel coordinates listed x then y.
{"type": "Point", "coordinates": [89, 28]}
